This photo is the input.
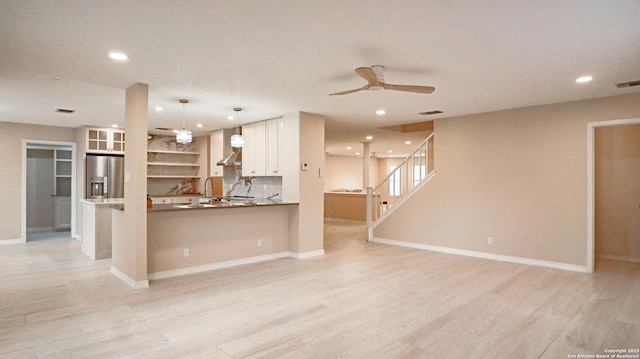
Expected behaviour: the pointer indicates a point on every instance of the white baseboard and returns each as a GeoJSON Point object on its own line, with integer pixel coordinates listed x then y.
{"type": "Point", "coordinates": [618, 258]}
{"type": "Point", "coordinates": [11, 241]}
{"type": "Point", "coordinates": [305, 255]}
{"type": "Point", "coordinates": [143, 284]}
{"type": "Point", "coordinates": [484, 255]}
{"type": "Point", "coordinates": [232, 263]}
{"type": "Point", "coordinates": [214, 266]}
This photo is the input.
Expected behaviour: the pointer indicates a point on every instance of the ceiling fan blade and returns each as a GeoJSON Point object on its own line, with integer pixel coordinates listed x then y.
{"type": "Point", "coordinates": [365, 87]}
{"type": "Point", "coordinates": [368, 74]}
{"type": "Point", "coordinates": [409, 88]}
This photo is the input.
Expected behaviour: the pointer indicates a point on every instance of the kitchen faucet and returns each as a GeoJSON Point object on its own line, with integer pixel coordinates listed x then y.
{"type": "Point", "coordinates": [209, 179]}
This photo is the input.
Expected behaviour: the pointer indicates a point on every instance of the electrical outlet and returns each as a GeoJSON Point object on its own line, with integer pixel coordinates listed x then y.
{"type": "Point", "coordinates": [490, 241]}
{"type": "Point", "coordinates": [259, 243]}
{"type": "Point", "coordinates": [186, 252]}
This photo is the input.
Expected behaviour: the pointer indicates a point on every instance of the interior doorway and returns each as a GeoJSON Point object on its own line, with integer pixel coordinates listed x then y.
{"type": "Point", "coordinates": [48, 190]}
{"type": "Point", "coordinates": [613, 197]}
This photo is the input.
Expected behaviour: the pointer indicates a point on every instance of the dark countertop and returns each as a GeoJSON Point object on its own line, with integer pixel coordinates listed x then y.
{"type": "Point", "coordinates": [217, 205]}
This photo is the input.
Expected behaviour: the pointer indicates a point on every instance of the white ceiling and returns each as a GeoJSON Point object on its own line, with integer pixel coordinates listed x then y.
{"type": "Point", "coordinates": [279, 56]}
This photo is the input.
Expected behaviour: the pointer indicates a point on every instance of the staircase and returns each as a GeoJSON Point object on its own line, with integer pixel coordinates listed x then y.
{"type": "Point", "coordinates": [400, 184]}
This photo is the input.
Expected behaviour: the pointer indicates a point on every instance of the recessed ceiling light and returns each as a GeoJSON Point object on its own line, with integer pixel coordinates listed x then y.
{"type": "Point", "coordinates": [230, 118]}
{"type": "Point", "coordinates": [158, 108]}
{"type": "Point", "coordinates": [118, 56]}
{"type": "Point", "coordinates": [390, 151]}
{"type": "Point", "coordinates": [369, 137]}
{"type": "Point", "coordinates": [357, 153]}
{"type": "Point", "coordinates": [114, 125]}
{"type": "Point", "coordinates": [380, 112]}
{"type": "Point", "coordinates": [584, 79]}
{"type": "Point", "coordinates": [348, 147]}
{"type": "Point", "coordinates": [407, 142]}
{"type": "Point", "coordinates": [199, 125]}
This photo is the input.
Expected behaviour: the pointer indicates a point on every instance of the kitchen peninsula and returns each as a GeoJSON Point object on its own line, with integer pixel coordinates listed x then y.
{"type": "Point", "coordinates": [96, 226]}
{"type": "Point", "coordinates": [178, 239]}
{"type": "Point", "coordinates": [183, 239]}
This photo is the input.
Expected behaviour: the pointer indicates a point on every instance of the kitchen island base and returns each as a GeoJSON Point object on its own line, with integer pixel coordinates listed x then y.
{"type": "Point", "coordinates": [191, 241]}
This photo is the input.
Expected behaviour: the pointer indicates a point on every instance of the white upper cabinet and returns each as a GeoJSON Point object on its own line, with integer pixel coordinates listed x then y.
{"type": "Point", "coordinates": [105, 140]}
{"type": "Point", "coordinates": [274, 150]}
{"type": "Point", "coordinates": [270, 147]}
{"type": "Point", "coordinates": [253, 152]}
{"type": "Point", "coordinates": [216, 145]}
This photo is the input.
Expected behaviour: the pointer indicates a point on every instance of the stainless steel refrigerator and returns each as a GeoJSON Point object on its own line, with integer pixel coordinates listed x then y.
{"type": "Point", "coordinates": [105, 176]}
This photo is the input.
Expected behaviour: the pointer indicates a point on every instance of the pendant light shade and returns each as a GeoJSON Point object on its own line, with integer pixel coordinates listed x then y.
{"type": "Point", "coordinates": [237, 140]}
{"type": "Point", "coordinates": [183, 136]}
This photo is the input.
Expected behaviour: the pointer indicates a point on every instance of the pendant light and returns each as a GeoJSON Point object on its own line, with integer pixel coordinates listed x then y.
{"type": "Point", "coordinates": [183, 136]}
{"type": "Point", "coordinates": [237, 140]}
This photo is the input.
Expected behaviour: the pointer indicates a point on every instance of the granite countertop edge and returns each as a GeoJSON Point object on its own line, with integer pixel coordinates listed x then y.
{"type": "Point", "coordinates": [217, 205]}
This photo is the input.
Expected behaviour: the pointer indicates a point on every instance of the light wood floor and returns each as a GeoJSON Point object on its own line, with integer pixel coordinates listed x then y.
{"type": "Point", "coordinates": [361, 300]}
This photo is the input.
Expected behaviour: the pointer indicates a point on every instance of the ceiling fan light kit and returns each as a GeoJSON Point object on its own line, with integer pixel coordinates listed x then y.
{"type": "Point", "coordinates": [375, 82]}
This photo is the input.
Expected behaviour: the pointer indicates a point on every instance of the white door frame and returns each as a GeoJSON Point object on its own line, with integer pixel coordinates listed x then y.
{"type": "Point", "coordinates": [25, 143]}
{"type": "Point", "coordinates": [591, 189]}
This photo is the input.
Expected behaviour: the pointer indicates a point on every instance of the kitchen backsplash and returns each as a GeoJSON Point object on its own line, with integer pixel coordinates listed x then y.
{"type": "Point", "coordinates": [169, 143]}
{"type": "Point", "coordinates": [258, 187]}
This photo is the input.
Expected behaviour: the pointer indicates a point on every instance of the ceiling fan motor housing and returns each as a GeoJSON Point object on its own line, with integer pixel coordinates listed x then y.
{"type": "Point", "coordinates": [378, 70]}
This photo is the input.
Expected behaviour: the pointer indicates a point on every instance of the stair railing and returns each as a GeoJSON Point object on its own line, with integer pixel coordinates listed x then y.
{"type": "Point", "coordinates": [414, 170]}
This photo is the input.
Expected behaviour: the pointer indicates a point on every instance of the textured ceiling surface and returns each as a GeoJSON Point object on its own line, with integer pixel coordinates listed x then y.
{"type": "Point", "coordinates": [274, 57]}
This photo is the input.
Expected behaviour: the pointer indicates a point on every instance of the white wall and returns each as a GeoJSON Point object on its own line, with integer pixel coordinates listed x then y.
{"type": "Point", "coordinates": [346, 172]}
{"type": "Point", "coordinates": [519, 176]}
{"type": "Point", "coordinates": [343, 172]}
{"type": "Point", "coordinates": [617, 192]}
{"type": "Point", "coordinates": [11, 142]}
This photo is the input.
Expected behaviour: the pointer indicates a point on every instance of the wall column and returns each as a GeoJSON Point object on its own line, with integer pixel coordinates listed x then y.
{"type": "Point", "coordinates": [366, 162]}
{"type": "Point", "coordinates": [129, 227]}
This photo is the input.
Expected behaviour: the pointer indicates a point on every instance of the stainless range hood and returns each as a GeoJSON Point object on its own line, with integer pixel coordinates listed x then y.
{"type": "Point", "coordinates": [234, 159]}
{"type": "Point", "coordinates": [231, 156]}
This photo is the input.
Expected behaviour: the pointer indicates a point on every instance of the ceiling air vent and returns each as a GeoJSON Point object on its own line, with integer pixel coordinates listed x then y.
{"type": "Point", "coordinates": [163, 129]}
{"type": "Point", "coordinates": [64, 110]}
{"type": "Point", "coordinates": [427, 113]}
{"type": "Point", "coordinates": [627, 84]}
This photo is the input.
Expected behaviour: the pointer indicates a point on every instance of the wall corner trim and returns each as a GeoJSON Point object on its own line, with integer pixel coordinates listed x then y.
{"type": "Point", "coordinates": [484, 255]}
{"type": "Point", "coordinates": [143, 284]}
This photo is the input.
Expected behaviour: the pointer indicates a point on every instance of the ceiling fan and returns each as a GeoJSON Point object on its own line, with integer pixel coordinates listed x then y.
{"type": "Point", "coordinates": [375, 80]}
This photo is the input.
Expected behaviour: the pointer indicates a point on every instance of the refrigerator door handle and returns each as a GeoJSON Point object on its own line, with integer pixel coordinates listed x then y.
{"type": "Point", "coordinates": [106, 190]}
